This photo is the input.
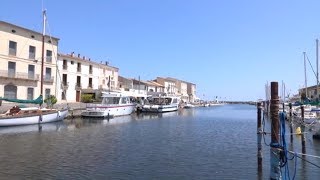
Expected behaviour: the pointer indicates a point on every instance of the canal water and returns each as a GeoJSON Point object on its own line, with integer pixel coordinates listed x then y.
{"type": "Point", "coordinates": [201, 143]}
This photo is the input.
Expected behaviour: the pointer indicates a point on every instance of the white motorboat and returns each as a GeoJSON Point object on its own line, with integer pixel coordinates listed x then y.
{"type": "Point", "coordinates": [113, 104]}
{"type": "Point", "coordinates": [162, 104]}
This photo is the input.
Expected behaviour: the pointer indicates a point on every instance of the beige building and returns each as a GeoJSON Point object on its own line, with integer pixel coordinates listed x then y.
{"type": "Point", "coordinates": [79, 75]}
{"type": "Point", "coordinates": [182, 89]}
{"type": "Point", "coordinates": [20, 62]}
{"type": "Point", "coordinates": [192, 89]}
{"type": "Point", "coordinates": [170, 87]}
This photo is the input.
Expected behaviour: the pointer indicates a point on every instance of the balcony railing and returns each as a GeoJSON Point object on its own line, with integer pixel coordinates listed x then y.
{"type": "Point", "coordinates": [64, 85]}
{"type": "Point", "coordinates": [48, 79]}
{"type": "Point", "coordinates": [65, 67]}
{"type": "Point", "coordinates": [19, 75]}
{"type": "Point", "coordinates": [78, 86]}
{"type": "Point", "coordinates": [49, 59]}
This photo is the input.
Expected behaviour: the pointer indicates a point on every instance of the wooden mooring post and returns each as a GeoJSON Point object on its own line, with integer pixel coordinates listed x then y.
{"type": "Point", "coordinates": [275, 172]}
{"type": "Point", "coordinates": [259, 139]}
{"type": "Point", "coordinates": [303, 139]}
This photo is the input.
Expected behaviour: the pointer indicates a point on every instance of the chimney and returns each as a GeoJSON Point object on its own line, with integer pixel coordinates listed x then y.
{"type": "Point", "coordinates": [89, 59]}
{"type": "Point", "coordinates": [107, 63]}
{"type": "Point", "coordinates": [78, 55]}
{"type": "Point", "coordinates": [72, 54]}
{"type": "Point", "coordinates": [84, 58]}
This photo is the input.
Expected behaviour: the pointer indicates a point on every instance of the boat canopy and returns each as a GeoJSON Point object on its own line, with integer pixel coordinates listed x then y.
{"type": "Point", "coordinates": [39, 100]}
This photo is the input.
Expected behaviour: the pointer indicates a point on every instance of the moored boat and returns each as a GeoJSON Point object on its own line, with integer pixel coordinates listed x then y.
{"type": "Point", "coordinates": [113, 104]}
{"type": "Point", "coordinates": [25, 116]}
{"type": "Point", "coordinates": [162, 104]}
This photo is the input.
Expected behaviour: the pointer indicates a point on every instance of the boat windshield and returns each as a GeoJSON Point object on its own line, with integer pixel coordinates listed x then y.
{"type": "Point", "coordinates": [161, 101]}
{"type": "Point", "coordinates": [110, 100]}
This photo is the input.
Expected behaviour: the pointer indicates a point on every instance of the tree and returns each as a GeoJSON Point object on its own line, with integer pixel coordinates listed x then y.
{"type": "Point", "coordinates": [50, 101]}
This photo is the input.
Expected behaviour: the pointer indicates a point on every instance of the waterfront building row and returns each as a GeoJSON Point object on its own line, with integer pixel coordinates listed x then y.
{"type": "Point", "coordinates": [67, 76]}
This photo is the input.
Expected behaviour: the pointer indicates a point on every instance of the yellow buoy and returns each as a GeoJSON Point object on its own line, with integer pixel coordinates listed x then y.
{"type": "Point", "coordinates": [298, 131]}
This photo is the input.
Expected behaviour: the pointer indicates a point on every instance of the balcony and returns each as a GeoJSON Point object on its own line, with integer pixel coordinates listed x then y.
{"type": "Point", "coordinates": [49, 59]}
{"type": "Point", "coordinates": [18, 75]}
{"type": "Point", "coordinates": [64, 85]}
{"type": "Point", "coordinates": [78, 86]}
{"type": "Point", "coordinates": [48, 79]}
{"type": "Point", "coordinates": [65, 67]}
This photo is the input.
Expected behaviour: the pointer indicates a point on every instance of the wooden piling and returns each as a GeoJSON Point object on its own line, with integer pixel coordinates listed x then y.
{"type": "Point", "coordinates": [275, 172]}
{"type": "Point", "coordinates": [302, 114]}
{"type": "Point", "coordinates": [259, 107]}
{"type": "Point", "coordinates": [290, 111]}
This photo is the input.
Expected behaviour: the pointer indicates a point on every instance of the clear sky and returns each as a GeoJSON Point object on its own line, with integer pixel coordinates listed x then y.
{"type": "Point", "coordinates": [228, 48]}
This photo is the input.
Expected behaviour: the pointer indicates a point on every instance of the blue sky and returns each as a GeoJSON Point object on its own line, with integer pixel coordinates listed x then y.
{"type": "Point", "coordinates": [228, 48]}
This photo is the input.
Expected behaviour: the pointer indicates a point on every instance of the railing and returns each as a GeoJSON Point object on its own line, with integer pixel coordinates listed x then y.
{"type": "Point", "coordinates": [49, 59]}
{"type": "Point", "coordinates": [19, 75]}
{"type": "Point", "coordinates": [64, 85]}
{"type": "Point", "coordinates": [12, 52]}
{"type": "Point", "coordinates": [78, 86]}
{"type": "Point", "coordinates": [48, 79]}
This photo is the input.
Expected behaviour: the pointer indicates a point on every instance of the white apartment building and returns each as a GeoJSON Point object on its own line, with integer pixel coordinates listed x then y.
{"type": "Point", "coordinates": [79, 75]}
{"type": "Point", "coordinates": [20, 62]}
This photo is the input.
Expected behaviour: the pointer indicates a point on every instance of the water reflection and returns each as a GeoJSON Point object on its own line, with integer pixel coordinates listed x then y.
{"type": "Point", "coordinates": [57, 126]}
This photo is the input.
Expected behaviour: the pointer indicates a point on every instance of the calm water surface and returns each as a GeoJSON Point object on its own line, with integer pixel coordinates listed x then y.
{"type": "Point", "coordinates": [200, 143]}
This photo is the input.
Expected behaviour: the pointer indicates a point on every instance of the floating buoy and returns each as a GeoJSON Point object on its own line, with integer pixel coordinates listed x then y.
{"type": "Point", "coordinates": [298, 131]}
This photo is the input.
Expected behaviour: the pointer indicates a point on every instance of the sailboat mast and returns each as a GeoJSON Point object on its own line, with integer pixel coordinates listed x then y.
{"type": "Point", "coordinates": [317, 57]}
{"type": "Point", "coordinates": [42, 57]}
{"type": "Point", "coordinates": [305, 73]}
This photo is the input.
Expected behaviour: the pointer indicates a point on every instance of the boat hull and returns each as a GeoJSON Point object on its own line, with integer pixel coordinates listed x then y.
{"type": "Point", "coordinates": [159, 108]}
{"type": "Point", "coordinates": [41, 118]}
{"type": "Point", "coordinates": [108, 111]}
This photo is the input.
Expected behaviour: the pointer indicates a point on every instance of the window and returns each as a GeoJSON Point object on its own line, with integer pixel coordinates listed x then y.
{"type": "Point", "coordinates": [12, 48]}
{"type": "Point", "coordinates": [64, 79]}
{"type": "Point", "coordinates": [90, 82]}
{"type": "Point", "coordinates": [48, 74]}
{"type": "Point", "coordinates": [32, 52]}
{"type": "Point", "coordinates": [47, 93]}
{"type": "Point", "coordinates": [90, 69]}
{"type": "Point", "coordinates": [11, 69]}
{"type": "Point", "coordinates": [79, 67]}
{"type": "Point", "coordinates": [49, 56]}
{"type": "Point", "coordinates": [30, 94]}
{"type": "Point", "coordinates": [31, 72]}
{"type": "Point", "coordinates": [63, 96]}
{"type": "Point", "coordinates": [65, 65]}
{"type": "Point", "coordinates": [72, 62]}
{"type": "Point", "coordinates": [10, 91]}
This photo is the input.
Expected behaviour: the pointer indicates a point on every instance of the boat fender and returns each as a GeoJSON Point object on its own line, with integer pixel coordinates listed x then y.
{"type": "Point", "coordinates": [59, 114]}
{"type": "Point", "coordinates": [298, 131]}
{"type": "Point", "coordinates": [40, 118]}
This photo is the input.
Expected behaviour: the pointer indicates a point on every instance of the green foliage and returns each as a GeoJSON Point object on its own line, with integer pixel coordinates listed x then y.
{"type": "Point", "coordinates": [87, 98]}
{"type": "Point", "coordinates": [50, 101]}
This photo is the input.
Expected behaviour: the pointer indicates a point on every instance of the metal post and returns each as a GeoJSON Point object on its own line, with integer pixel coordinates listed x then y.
{"type": "Point", "coordinates": [259, 139]}
{"type": "Point", "coordinates": [275, 172]}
